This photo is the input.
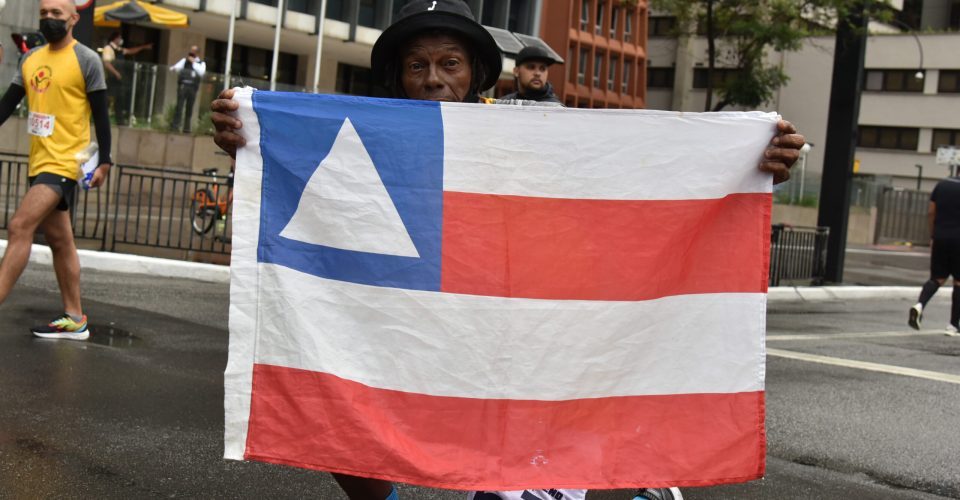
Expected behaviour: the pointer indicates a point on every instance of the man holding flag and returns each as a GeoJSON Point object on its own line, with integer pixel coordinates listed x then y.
{"type": "Point", "coordinates": [436, 51]}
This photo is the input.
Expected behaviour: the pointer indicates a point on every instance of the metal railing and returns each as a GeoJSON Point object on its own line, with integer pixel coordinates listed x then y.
{"type": "Point", "coordinates": [902, 217]}
{"type": "Point", "coordinates": [798, 255]}
{"type": "Point", "coordinates": [171, 209]}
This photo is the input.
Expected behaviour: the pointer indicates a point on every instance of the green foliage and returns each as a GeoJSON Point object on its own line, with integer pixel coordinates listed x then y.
{"type": "Point", "coordinates": [740, 35]}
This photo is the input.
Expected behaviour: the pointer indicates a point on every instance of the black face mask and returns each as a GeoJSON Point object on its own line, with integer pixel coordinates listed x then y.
{"type": "Point", "coordinates": [53, 30]}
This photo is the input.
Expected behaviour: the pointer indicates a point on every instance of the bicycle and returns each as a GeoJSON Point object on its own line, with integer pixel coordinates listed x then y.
{"type": "Point", "coordinates": [208, 206]}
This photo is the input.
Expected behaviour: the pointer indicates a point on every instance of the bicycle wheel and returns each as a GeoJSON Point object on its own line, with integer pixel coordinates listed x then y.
{"type": "Point", "coordinates": [202, 212]}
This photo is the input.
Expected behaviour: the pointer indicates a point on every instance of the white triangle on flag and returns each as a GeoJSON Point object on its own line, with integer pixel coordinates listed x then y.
{"type": "Point", "coordinates": [345, 204]}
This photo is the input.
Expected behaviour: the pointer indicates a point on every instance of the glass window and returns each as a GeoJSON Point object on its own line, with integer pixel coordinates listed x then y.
{"type": "Point", "coordinates": [945, 137]}
{"type": "Point", "coordinates": [582, 67]}
{"type": "Point", "coordinates": [628, 26]}
{"type": "Point", "coordinates": [611, 72]}
{"type": "Point", "coordinates": [720, 77]}
{"type": "Point", "coordinates": [569, 65]}
{"type": "Point", "coordinates": [626, 76]}
{"type": "Point", "coordinates": [584, 15]}
{"type": "Point", "coordinates": [599, 21]}
{"type": "Point", "coordinates": [597, 64]}
{"type": "Point", "coordinates": [660, 77]}
{"type": "Point", "coordinates": [356, 80]}
{"type": "Point", "coordinates": [949, 81]}
{"type": "Point", "coordinates": [902, 138]}
{"type": "Point", "coordinates": [874, 80]}
{"type": "Point", "coordinates": [893, 80]}
{"type": "Point", "coordinates": [662, 26]}
{"type": "Point", "coordinates": [614, 19]}
{"type": "Point", "coordinates": [338, 9]}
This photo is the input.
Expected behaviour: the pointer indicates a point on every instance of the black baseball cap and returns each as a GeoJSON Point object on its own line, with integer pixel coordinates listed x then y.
{"type": "Point", "coordinates": [534, 53]}
{"type": "Point", "coordinates": [418, 16]}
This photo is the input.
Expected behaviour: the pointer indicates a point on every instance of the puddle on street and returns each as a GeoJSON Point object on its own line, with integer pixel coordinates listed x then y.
{"type": "Point", "coordinates": [112, 336]}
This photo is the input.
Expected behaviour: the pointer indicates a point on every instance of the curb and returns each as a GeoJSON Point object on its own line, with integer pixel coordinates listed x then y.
{"type": "Point", "coordinates": [170, 268]}
{"type": "Point", "coordinates": [135, 264]}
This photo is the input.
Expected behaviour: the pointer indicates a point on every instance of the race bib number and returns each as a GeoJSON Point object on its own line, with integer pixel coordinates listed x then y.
{"type": "Point", "coordinates": [40, 125]}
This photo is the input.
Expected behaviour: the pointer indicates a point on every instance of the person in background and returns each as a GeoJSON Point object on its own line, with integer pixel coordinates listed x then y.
{"type": "Point", "coordinates": [113, 56]}
{"type": "Point", "coordinates": [530, 76]}
{"type": "Point", "coordinates": [943, 216]}
{"type": "Point", "coordinates": [190, 71]}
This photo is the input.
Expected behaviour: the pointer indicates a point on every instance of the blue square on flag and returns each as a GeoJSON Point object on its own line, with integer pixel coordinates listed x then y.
{"type": "Point", "coordinates": [387, 232]}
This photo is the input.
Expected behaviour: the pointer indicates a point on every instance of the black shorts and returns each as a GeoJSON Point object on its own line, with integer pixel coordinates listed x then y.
{"type": "Point", "coordinates": [945, 259]}
{"type": "Point", "coordinates": [65, 187]}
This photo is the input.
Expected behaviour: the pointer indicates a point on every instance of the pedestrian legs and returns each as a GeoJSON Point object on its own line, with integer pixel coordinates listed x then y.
{"type": "Point", "coordinates": [190, 96]}
{"type": "Point", "coordinates": [39, 202]}
{"type": "Point", "coordinates": [66, 262]}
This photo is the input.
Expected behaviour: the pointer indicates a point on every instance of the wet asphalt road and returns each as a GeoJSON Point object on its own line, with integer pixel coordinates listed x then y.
{"type": "Point", "coordinates": [136, 412]}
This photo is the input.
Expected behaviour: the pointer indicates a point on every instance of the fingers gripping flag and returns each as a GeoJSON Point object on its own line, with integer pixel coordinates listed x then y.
{"type": "Point", "coordinates": [499, 298]}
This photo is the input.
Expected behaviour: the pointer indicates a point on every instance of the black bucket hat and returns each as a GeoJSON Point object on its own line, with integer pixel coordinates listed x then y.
{"type": "Point", "coordinates": [418, 16]}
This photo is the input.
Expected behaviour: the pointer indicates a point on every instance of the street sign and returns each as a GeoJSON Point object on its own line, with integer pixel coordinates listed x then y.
{"type": "Point", "coordinates": [948, 155]}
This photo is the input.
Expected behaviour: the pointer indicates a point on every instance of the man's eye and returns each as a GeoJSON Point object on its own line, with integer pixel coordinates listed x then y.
{"type": "Point", "coordinates": [416, 66]}
{"type": "Point", "coordinates": [452, 62]}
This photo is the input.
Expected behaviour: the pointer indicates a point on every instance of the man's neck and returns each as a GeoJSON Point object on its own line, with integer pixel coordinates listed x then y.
{"type": "Point", "coordinates": [62, 44]}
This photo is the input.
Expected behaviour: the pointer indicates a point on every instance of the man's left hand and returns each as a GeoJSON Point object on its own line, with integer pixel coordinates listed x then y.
{"type": "Point", "coordinates": [783, 152]}
{"type": "Point", "coordinates": [100, 175]}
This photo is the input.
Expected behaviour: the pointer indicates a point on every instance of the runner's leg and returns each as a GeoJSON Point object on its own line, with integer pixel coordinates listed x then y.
{"type": "Point", "coordinates": [37, 204]}
{"type": "Point", "coordinates": [66, 262]}
{"type": "Point", "coordinates": [363, 488]}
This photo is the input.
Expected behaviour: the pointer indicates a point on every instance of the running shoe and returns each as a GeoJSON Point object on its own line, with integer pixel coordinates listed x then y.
{"type": "Point", "coordinates": [63, 327]}
{"type": "Point", "coordinates": [658, 494]}
{"type": "Point", "coordinates": [916, 315]}
{"type": "Point", "coordinates": [952, 331]}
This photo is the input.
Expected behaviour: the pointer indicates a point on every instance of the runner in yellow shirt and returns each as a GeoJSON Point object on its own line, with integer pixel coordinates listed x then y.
{"type": "Point", "coordinates": [64, 85]}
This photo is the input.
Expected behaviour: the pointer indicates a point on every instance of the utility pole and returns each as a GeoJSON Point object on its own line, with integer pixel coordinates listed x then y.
{"type": "Point", "coordinates": [847, 81]}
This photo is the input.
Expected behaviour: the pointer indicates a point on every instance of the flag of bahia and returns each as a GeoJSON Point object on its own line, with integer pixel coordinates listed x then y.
{"type": "Point", "coordinates": [499, 297]}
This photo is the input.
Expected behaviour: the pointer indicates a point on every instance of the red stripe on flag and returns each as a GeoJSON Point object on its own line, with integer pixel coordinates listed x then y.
{"type": "Point", "coordinates": [548, 248]}
{"type": "Point", "coordinates": [319, 421]}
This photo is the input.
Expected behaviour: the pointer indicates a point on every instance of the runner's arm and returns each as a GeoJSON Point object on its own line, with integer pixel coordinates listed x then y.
{"type": "Point", "coordinates": [101, 120]}
{"type": "Point", "coordinates": [10, 100]}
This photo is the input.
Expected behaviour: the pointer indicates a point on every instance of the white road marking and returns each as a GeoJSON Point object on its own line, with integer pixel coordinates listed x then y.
{"type": "Point", "coordinates": [855, 335]}
{"type": "Point", "coordinates": [864, 365]}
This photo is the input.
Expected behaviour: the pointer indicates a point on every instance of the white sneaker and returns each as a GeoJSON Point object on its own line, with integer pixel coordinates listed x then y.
{"type": "Point", "coordinates": [951, 331]}
{"type": "Point", "coordinates": [916, 315]}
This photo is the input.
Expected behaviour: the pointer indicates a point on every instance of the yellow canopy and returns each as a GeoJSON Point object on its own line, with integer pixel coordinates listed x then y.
{"type": "Point", "coordinates": [134, 11]}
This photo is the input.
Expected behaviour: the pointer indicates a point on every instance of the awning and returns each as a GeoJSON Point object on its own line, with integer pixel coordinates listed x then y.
{"type": "Point", "coordinates": [132, 11]}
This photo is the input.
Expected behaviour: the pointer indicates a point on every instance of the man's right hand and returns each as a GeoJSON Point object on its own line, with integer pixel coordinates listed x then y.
{"type": "Point", "coordinates": [224, 107]}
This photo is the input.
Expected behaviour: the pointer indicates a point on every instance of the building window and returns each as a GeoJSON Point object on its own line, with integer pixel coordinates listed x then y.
{"type": "Point", "coordinates": [597, 65]}
{"type": "Point", "coordinates": [584, 15]}
{"type": "Point", "coordinates": [892, 80]}
{"type": "Point", "coordinates": [720, 77]}
{"type": "Point", "coordinates": [949, 81]}
{"type": "Point", "coordinates": [599, 24]}
{"type": "Point", "coordinates": [569, 66]}
{"type": "Point", "coordinates": [612, 72]}
{"type": "Point", "coordinates": [582, 66]}
{"type": "Point", "coordinates": [663, 26]}
{"type": "Point", "coordinates": [614, 19]}
{"type": "Point", "coordinates": [628, 26]}
{"type": "Point", "coordinates": [945, 137]}
{"type": "Point", "coordinates": [625, 77]}
{"type": "Point", "coordinates": [660, 78]}
{"type": "Point", "coordinates": [250, 62]}
{"type": "Point", "coordinates": [888, 138]}
{"type": "Point", "coordinates": [356, 80]}
{"type": "Point", "coordinates": [303, 6]}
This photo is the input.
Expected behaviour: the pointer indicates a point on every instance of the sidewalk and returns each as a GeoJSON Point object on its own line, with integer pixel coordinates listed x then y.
{"type": "Point", "coordinates": [169, 268]}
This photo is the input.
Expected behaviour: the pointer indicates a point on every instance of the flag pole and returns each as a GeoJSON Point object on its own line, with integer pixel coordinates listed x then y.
{"type": "Point", "coordinates": [233, 23]}
{"type": "Point", "coordinates": [276, 46]}
{"type": "Point", "coordinates": [316, 66]}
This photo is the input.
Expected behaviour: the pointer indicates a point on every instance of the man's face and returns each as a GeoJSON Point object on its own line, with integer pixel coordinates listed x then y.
{"type": "Point", "coordinates": [64, 10]}
{"type": "Point", "coordinates": [194, 51]}
{"type": "Point", "coordinates": [532, 75]}
{"type": "Point", "coordinates": [436, 67]}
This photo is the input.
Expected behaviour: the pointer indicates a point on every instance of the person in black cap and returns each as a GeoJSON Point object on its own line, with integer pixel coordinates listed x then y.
{"type": "Point", "coordinates": [437, 51]}
{"type": "Point", "coordinates": [530, 76]}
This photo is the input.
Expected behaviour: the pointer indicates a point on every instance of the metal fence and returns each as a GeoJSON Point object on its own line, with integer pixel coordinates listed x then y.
{"type": "Point", "coordinates": [798, 255]}
{"type": "Point", "coordinates": [902, 217]}
{"type": "Point", "coordinates": [140, 207]}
